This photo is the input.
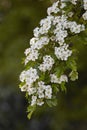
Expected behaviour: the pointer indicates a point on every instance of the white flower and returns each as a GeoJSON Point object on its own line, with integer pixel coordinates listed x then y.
{"type": "Point", "coordinates": [40, 89]}
{"type": "Point", "coordinates": [60, 31]}
{"type": "Point", "coordinates": [53, 9]}
{"type": "Point", "coordinates": [40, 102]}
{"type": "Point", "coordinates": [45, 24]}
{"type": "Point", "coordinates": [44, 91]}
{"type": "Point", "coordinates": [33, 40]}
{"type": "Point", "coordinates": [22, 76]}
{"type": "Point", "coordinates": [73, 2]}
{"type": "Point", "coordinates": [48, 59]}
{"type": "Point", "coordinates": [32, 56]}
{"type": "Point", "coordinates": [36, 32]}
{"type": "Point", "coordinates": [47, 64]}
{"type": "Point", "coordinates": [40, 92]}
{"type": "Point", "coordinates": [63, 5]}
{"type": "Point", "coordinates": [31, 90]}
{"type": "Point", "coordinates": [85, 16]}
{"type": "Point", "coordinates": [48, 92]}
{"type": "Point", "coordinates": [23, 88]}
{"type": "Point", "coordinates": [85, 4]}
{"type": "Point", "coordinates": [40, 43]}
{"type": "Point", "coordinates": [63, 78]}
{"type": "Point", "coordinates": [62, 52]}
{"type": "Point", "coordinates": [70, 14]}
{"type": "Point", "coordinates": [41, 83]}
{"type": "Point", "coordinates": [60, 35]}
{"type": "Point", "coordinates": [55, 79]}
{"type": "Point", "coordinates": [33, 100]}
{"type": "Point", "coordinates": [29, 76]}
{"type": "Point", "coordinates": [75, 28]}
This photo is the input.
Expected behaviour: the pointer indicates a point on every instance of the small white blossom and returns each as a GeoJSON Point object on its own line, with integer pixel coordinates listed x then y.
{"type": "Point", "coordinates": [41, 83]}
{"type": "Point", "coordinates": [85, 4]}
{"type": "Point", "coordinates": [31, 90]}
{"type": "Point", "coordinates": [29, 76]}
{"type": "Point", "coordinates": [23, 88]}
{"type": "Point", "coordinates": [75, 28]}
{"type": "Point", "coordinates": [40, 43]}
{"type": "Point", "coordinates": [85, 16]}
{"type": "Point", "coordinates": [32, 56]}
{"type": "Point", "coordinates": [40, 91]}
{"type": "Point", "coordinates": [47, 64]}
{"type": "Point", "coordinates": [73, 2]}
{"type": "Point", "coordinates": [45, 23]}
{"type": "Point", "coordinates": [48, 92]}
{"type": "Point", "coordinates": [63, 5]}
{"type": "Point", "coordinates": [61, 35]}
{"type": "Point", "coordinates": [33, 40]}
{"type": "Point", "coordinates": [70, 14]}
{"type": "Point", "coordinates": [55, 79]}
{"type": "Point", "coordinates": [62, 52]}
{"type": "Point", "coordinates": [53, 9]}
{"type": "Point", "coordinates": [22, 76]}
{"type": "Point", "coordinates": [44, 91]}
{"type": "Point", "coordinates": [36, 32]}
{"type": "Point", "coordinates": [40, 102]}
{"type": "Point", "coordinates": [63, 78]}
{"type": "Point", "coordinates": [33, 100]}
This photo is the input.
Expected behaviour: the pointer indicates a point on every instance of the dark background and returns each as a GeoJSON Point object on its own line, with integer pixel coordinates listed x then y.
{"type": "Point", "coordinates": [17, 20]}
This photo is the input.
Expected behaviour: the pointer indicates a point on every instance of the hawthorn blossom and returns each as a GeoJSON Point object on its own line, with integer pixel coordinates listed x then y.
{"type": "Point", "coordinates": [62, 52]}
{"type": "Point", "coordinates": [48, 48]}
{"type": "Point", "coordinates": [85, 16]}
{"type": "Point", "coordinates": [55, 79]}
{"type": "Point", "coordinates": [47, 64]}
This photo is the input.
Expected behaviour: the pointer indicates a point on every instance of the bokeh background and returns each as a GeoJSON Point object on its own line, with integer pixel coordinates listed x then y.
{"type": "Point", "coordinates": [17, 20]}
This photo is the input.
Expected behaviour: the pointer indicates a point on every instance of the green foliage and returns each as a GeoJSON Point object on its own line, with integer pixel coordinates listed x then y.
{"type": "Point", "coordinates": [73, 75]}
{"type": "Point", "coordinates": [52, 102]}
{"type": "Point", "coordinates": [63, 87]}
{"type": "Point", "coordinates": [30, 111]}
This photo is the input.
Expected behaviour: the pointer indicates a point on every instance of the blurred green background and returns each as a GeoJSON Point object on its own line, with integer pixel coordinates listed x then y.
{"type": "Point", "coordinates": [17, 20]}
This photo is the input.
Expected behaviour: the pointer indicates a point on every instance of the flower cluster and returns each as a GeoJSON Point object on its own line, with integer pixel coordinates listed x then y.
{"type": "Point", "coordinates": [42, 92]}
{"type": "Point", "coordinates": [55, 79]}
{"type": "Point", "coordinates": [49, 55]}
{"type": "Point", "coordinates": [63, 52]}
{"type": "Point", "coordinates": [29, 76]}
{"type": "Point", "coordinates": [47, 63]}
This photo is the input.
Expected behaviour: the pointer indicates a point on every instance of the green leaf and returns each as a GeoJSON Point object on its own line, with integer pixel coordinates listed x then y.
{"type": "Point", "coordinates": [52, 102]}
{"type": "Point", "coordinates": [27, 95]}
{"type": "Point", "coordinates": [73, 75]}
{"type": "Point", "coordinates": [71, 63]}
{"type": "Point", "coordinates": [29, 115]}
{"type": "Point", "coordinates": [60, 69]}
{"type": "Point", "coordinates": [55, 88]}
{"type": "Point", "coordinates": [63, 87]}
{"type": "Point", "coordinates": [30, 111]}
